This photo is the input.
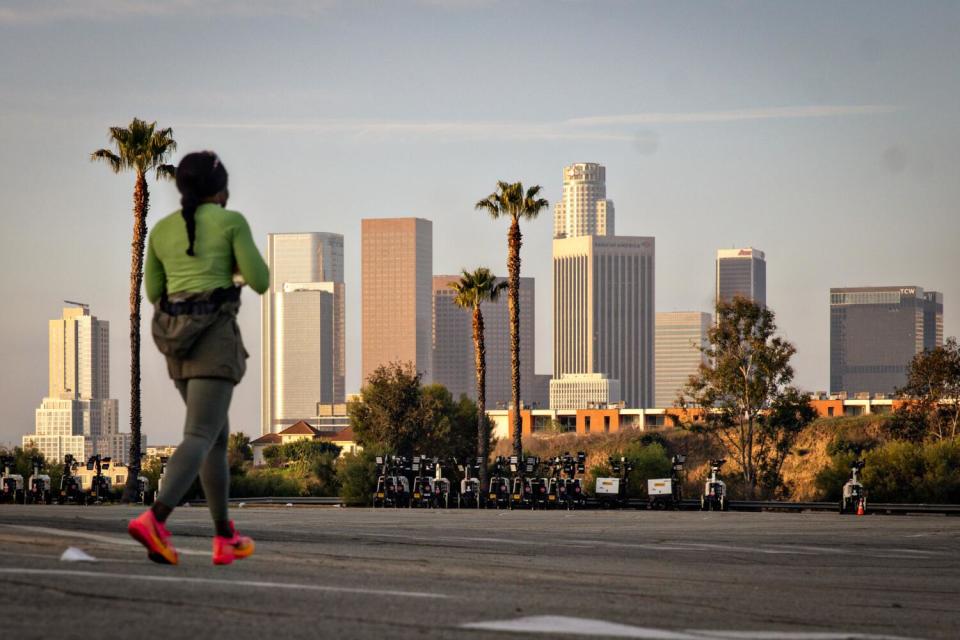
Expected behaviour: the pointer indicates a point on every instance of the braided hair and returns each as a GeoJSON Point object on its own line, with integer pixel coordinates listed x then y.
{"type": "Point", "coordinates": [200, 175]}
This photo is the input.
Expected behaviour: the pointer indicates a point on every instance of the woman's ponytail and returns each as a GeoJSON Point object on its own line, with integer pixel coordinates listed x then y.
{"type": "Point", "coordinates": [189, 203]}
{"type": "Point", "coordinates": [200, 176]}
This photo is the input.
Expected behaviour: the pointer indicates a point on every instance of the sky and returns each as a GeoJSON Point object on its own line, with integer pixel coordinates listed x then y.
{"type": "Point", "coordinates": [826, 134]}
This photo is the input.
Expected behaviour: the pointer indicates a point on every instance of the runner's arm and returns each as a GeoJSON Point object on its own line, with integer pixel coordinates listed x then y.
{"type": "Point", "coordinates": [252, 267]}
{"type": "Point", "coordinates": [155, 278]}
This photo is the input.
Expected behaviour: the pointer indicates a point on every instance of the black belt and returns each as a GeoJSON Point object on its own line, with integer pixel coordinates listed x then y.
{"type": "Point", "coordinates": [200, 307]}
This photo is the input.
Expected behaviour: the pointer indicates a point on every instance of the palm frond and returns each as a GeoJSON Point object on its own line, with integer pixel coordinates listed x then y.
{"type": "Point", "coordinates": [105, 155]}
{"type": "Point", "coordinates": [166, 172]}
{"type": "Point", "coordinates": [140, 146]}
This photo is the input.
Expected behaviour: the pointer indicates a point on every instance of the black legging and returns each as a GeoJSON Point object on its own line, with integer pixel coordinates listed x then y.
{"type": "Point", "coordinates": [204, 447]}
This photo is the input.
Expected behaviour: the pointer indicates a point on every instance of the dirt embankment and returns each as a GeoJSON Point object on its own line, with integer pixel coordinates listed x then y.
{"type": "Point", "coordinates": [807, 459]}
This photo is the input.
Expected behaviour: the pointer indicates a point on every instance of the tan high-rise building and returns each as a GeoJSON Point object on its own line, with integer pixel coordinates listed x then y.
{"type": "Point", "coordinates": [397, 309]}
{"type": "Point", "coordinates": [679, 340]}
{"type": "Point", "coordinates": [453, 350]}
{"type": "Point", "coordinates": [303, 328]}
{"type": "Point", "coordinates": [584, 209]}
{"type": "Point", "coordinates": [77, 416]}
{"type": "Point", "coordinates": [603, 311]}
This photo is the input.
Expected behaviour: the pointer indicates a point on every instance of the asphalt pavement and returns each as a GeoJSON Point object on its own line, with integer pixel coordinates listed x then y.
{"type": "Point", "coordinates": [361, 573]}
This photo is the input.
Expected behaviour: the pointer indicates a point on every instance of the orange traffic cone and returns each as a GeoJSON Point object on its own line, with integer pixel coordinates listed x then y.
{"type": "Point", "coordinates": [860, 508]}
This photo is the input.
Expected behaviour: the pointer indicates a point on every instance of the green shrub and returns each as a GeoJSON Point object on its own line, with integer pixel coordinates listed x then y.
{"type": "Point", "coordinates": [900, 471]}
{"type": "Point", "coordinates": [267, 483]}
{"type": "Point", "coordinates": [357, 474]}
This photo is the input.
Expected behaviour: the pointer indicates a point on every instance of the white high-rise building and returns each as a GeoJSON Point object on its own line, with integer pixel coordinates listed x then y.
{"type": "Point", "coordinates": [680, 338]}
{"type": "Point", "coordinates": [603, 311]}
{"type": "Point", "coordinates": [583, 390]}
{"type": "Point", "coordinates": [77, 416]}
{"type": "Point", "coordinates": [584, 209]}
{"type": "Point", "coordinates": [303, 328]}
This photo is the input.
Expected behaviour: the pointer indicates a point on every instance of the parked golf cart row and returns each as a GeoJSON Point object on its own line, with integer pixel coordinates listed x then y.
{"type": "Point", "coordinates": [420, 482]}
{"type": "Point", "coordinates": [39, 489]}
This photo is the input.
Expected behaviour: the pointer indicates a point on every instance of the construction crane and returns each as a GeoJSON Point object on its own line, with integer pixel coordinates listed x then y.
{"type": "Point", "coordinates": [82, 305]}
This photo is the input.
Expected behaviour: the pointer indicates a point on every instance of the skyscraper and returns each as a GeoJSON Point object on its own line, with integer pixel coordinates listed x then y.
{"type": "Point", "coordinates": [397, 266]}
{"type": "Point", "coordinates": [680, 336]}
{"type": "Point", "coordinates": [584, 209]}
{"type": "Point", "coordinates": [453, 350]}
{"type": "Point", "coordinates": [77, 416]}
{"type": "Point", "coordinates": [741, 272]}
{"type": "Point", "coordinates": [876, 331]}
{"type": "Point", "coordinates": [453, 360]}
{"type": "Point", "coordinates": [303, 356]}
{"type": "Point", "coordinates": [603, 311]}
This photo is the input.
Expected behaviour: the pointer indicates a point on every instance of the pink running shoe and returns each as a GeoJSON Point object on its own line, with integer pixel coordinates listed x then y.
{"type": "Point", "coordinates": [226, 550]}
{"type": "Point", "coordinates": [151, 533]}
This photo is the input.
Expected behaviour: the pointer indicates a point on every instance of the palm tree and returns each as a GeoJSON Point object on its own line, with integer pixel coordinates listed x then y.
{"type": "Point", "coordinates": [473, 289]}
{"type": "Point", "coordinates": [511, 201]}
{"type": "Point", "coordinates": [140, 148]}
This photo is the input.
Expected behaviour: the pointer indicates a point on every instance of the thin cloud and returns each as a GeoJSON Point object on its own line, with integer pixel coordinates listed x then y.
{"type": "Point", "coordinates": [619, 128]}
{"type": "Point", "coordinates": [446, 130]}
{"type": "Point", "coordinates": [36, 11]}
{"type": "Point", "coordinates": [735, 115]}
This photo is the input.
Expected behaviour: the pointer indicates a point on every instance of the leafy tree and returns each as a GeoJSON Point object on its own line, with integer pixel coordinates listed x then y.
{"type": "Point", "coordinates": [511, 201]}
{"type": "Point", "coordinates": [933, 390]}
{"type": "Point", "coordinates": [400, 415]}
{"type": "Point", "coordinates": [779, 429]}
{"type": "Point", "coordinates": [239, 452]}
{"type": "Point", "coordinates": [744, 393]}
{"type": "Point", "coordinates": [357, 473]}
{"type": "Point", "coordinates": [141, 148]}
{"type": "Point", "coordinates": [311, 463]}
{"type": "Point", "coordinates": [389, 414]}
{"type": "Point", "coordinates": [473, 289]}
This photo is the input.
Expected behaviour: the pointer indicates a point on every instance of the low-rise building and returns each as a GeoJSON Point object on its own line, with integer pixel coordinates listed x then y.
{"type": "Point", "coordinates": [302, 430]}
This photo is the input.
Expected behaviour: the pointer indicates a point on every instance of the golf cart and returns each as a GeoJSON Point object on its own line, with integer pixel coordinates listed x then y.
{"type": "Point", "coordinates": [666, 493]}
{"type": "Point", "coordinates": [498, 491]}
{"type": "Point", "coordinates": [70, 489]}
{"type": "Point", "coordinates": [11, 484]}
{"type": "Point", "coordinates": [714, 496]}
{"type": "Point", "coordinates": [611, 492]}
{"type": "Point", "coordinates": [854, 498]}
{"type": "Point", "coordinates": [38, 490]}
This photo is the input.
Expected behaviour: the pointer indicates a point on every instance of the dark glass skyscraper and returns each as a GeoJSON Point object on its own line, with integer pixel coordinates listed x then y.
{"type": "Point", "coordinates": [876, 331]}
{"type": "Point", "coordinates": [741, 272]}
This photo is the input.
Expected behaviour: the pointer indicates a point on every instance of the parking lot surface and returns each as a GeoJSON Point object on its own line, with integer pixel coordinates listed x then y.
{"type": "Point", "coordinates": [361, 573]}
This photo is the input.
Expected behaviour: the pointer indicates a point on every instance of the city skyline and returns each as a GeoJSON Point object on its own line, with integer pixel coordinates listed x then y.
{"type": "Point", "coordinates": [825, 135]}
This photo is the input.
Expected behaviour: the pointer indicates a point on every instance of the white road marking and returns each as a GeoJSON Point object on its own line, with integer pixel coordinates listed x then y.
{"type": "Point", "coordinates": [566, 625]}
{"type": "Point", "coordinates": [256, 584]}
{"type": "Point", "coordinates": [73, 554]}
{"type": "Point", "coordinates": [116, 540]}
{"type": "Point", "coordinates": [770, 549]}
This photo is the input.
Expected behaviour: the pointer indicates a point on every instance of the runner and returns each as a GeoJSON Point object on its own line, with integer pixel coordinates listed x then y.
{"type": "Point", "coordinates": [197, 261]}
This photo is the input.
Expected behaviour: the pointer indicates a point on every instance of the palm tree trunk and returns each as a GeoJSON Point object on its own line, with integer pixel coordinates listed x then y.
{"type": "Point", "coordinates": [141, 204]}
{"type": "Point", "coordinates": [514, 242]}
{"type": "Point", "coordinates": [483, 434]}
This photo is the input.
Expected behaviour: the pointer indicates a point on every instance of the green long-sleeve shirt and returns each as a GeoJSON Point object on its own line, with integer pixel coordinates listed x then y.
{"type": "Point", "coordinates": [223, 243]}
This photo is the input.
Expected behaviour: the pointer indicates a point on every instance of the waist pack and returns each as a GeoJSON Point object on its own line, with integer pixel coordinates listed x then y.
{"type": "Point", "coordinates": [181, 319]}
